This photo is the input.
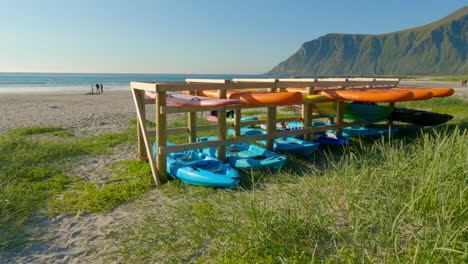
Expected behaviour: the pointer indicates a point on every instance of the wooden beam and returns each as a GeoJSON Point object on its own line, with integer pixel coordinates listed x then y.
{"type": "Point", "coordinates": [142, 123]}
{"type": "Point", "coordinates": [307, 115]}
{"type": "Point", "coordinates": [146, 86]}
{"type": "Point", "coordinates": [141, 144]}
{"type": "Point", "coordinates": [237, 122]}
{"type": "Point", "coordinates": [230, 141]}
{"type": "Point", "coordinates": [161, 136]}
{"type": "Point", "coordinates": [339, 118]}
{"type": "Point", "coordinates": [271, 120]}
{"type": "Point", "coordinates": [221, 122]}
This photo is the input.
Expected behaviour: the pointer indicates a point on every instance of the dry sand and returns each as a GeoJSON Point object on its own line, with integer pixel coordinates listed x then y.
{"type": "Point", "coordinates": [81, 239]}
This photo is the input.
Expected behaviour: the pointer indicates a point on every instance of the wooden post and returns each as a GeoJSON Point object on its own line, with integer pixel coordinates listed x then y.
{"type": "Point", "coordinates": [392, 105]}
{"type": "Point", "coordinates": [222, 122]}
{"type": "Point", "coordinates": [141, 145]}
{"type": "Point", "coordinates": [339, 117]}
{"type": "Point", "coordinates": [237, 120]}
{"type": "Point", "coordinates": [307, 115]}
{"type": "Point", "coordinates": [139, 110]}
{"type": "Point", "coordinates": [271, 119]}
{"type": "Point", "coordinates": [192, 124]}
{"type": "Point", "coordinates": [161, 134]}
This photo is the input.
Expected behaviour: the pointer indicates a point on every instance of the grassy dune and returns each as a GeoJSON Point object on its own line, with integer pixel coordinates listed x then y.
{"type": "Point", "coordinates": [397, 201]}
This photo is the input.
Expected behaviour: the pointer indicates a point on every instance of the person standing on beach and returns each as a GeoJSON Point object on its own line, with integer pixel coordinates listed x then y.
{"type": "Point", "coordinates": [102, 88]}
{"type": "Point", "coordinates": [92, 88]}
{"type": "Point", "coordinates": [97, 88]}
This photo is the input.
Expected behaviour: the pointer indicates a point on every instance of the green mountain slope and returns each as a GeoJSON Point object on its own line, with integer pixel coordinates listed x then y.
{"type": "Point", "coordinates": [438, 48]}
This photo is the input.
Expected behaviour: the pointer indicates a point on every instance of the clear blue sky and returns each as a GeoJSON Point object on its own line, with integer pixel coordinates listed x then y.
{"type": "Point", "coordinates": [187, 36]}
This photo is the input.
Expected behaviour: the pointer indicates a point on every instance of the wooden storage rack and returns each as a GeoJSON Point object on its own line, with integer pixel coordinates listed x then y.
{"type": "Point", "coordinates": [158, 161]}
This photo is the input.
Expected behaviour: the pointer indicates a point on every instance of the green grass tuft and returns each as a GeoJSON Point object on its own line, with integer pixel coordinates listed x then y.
{"type": "Point", "coordinates": [35, 130]}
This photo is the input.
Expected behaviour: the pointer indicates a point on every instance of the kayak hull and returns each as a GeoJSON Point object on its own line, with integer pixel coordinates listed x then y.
{"type": "Point", "coordinates": [364, 95]}
{"type": "Point", "coordinates": [193, 100]}
{"type": "Point", "coordinates": [196, 168]}
{"type": "Point", "coordinates": [283, 144]}
{"type": "Point", "coordinates": [419, 117]}
{"type": "Point", "coordinates": [357, 131]}
{"type": "Point", "coordinates": [245, 155]}
{"type": "Point", "coordinates": [357, 112]}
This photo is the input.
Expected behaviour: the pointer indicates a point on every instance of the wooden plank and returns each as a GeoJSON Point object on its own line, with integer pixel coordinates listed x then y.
{"type": "Point", "coordinates": [271, 120]}
{"type": "Point", "coordinates": [192, 124]}
{"type": "Point", "coordinates": [221, 122]}
{"type": "Point", "coordinates": [179, 130]}
{"type": "Point", "coordinates": [307, 115]}
{"type": "Point", "coordinates": [337, 126]}
{"type": "Point", "coordinates": [251, 80]}
{"type": "Point", "coordinates": [182, 86]}
{"type": "Point", "coordinates": [230, 141]}
{"type": "Point", "coordinates": [251, 85]}
{"type": "Point", "coordinates": [141, 143]}
{"type": "Point", "coordinates": [205, 80]}
{"type": "Point", "coordinates": [142, 123]}
{"type": "Point", "coordinates": [161, 135]}
{"type": "Point", "coordinates": [146, 86]}
{"type": "Point", "coordinates": [237, 122]}
{"type": "Point", "coordinates": [172, 109]}
{"type": "Point", "coordinates": [392, 105]}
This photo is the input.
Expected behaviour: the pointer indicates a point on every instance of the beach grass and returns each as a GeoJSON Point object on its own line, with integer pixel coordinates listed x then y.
{"type": "Point", "coordinates": [387, 202]}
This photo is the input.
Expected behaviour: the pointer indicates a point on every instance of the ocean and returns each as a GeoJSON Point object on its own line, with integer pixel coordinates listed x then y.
{"type": "Point", "coordinates": [59, 82]}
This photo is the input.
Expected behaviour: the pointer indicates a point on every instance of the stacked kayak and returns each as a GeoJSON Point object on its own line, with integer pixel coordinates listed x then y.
{"type": "Point", "coordinates": [365, 95]}
{"type": "Point", "coordinates": [196, 168]}
{"type": "Point", "coordinates": [380, 94]}
{"type": "Point", "coordinates": [283, 144]}
{"type": "Point", "coordinates": [193, 100]}
{"type": "Point", "coordinates": [356, 131]}
{"type": "Point", "coordinates": [419, 117]}
{"type": "Point", "coordinates": [245, 155]}
{"type": "Point", "coordinates": [357, 111]}
{"type": "Point", "coordinates": [325, 138]}
{"type": "Point", "coordinates": [258, 97]}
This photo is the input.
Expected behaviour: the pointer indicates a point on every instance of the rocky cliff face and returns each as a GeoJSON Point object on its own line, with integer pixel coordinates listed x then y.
{"type": "Point", "coordinates": [439, 48]}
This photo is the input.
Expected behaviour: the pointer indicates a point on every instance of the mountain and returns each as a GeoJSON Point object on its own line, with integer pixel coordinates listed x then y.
{"type": "Point", "coordinates": [438, 48]}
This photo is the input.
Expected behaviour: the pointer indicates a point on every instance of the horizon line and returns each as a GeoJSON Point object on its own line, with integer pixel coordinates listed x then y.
{"type": "Point", "coordinates": [135, 73]}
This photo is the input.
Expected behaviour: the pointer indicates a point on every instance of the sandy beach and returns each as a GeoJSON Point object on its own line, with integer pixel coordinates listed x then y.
{"type": "Point", "coordinates": [80, 239]}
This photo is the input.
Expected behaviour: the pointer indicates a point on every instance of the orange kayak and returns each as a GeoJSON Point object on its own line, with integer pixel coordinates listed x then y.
{"type": "Point", "coordinates": [258, 97]}
{"type": "Point", "coordinates": [436, 92]}
{"type": "Point", "coordinates": [416, 94]}
{"type": "Point", "coordinates": [365, 95]}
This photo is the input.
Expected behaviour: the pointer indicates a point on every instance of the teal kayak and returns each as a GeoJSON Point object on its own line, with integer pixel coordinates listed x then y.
{"type": "Point", "coordinates": [196, 168]}
{"type": "Point", "coordinates": [245, 155]}
{"type": "Point", "coordinates": [282, 144]}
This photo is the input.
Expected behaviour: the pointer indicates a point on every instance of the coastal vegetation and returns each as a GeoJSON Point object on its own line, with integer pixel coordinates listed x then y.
{"type": "Point", "coordinates": [438, 48]}
{"type": "Point", "coordinates": [384, 201]}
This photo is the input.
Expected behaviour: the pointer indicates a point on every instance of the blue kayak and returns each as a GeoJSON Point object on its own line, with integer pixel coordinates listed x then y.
{"type": "Point", "coordinates": [282, 144]}
{"type": "Point", "coordinates": [326, 138]}
{"type": "Point", "coordinates": [356, 131]}
{"type": "Point", "coordinates": [245, 155]}
{"type": "Point", "coordinates": [196, 168]}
